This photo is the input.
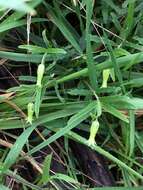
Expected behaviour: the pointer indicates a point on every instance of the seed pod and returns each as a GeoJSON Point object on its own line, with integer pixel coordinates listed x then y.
{"type": "Point", "coordinates": [40, 73]}
{"type": "Point", "coordinates": [30, 112]}
{"type": "Point", "coordinates": [93, 131]}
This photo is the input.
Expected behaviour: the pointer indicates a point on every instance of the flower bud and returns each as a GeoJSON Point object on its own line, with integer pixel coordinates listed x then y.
{"type": "Point", "coordinates": [106, 73]}
{"type": "Point", "coordinates": [93, 131]}
{"type": "Point", "coordinates": [40, 73]}
{"type": "Point", "coordinates": [75, 2]}
{"type": "Point", "coordinates": [30, 112]}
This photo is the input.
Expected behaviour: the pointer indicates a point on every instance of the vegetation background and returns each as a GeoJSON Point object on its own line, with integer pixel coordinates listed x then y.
{"type": "Point", "coordinates": [71, 100]}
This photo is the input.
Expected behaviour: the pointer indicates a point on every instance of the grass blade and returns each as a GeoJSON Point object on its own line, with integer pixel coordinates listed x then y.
{"type": "Point", "coordinates": [59, 22]}
{"type": "Point", "coordinates": [46, 170]}
{"type": "Point", "coordinates": [89, 54]}
{"type": "Point", "coordinates": [110, 109]}
{"type": "Point", "coordinates": [37, 49]}
{"type": "Point", "coordinates": [132, 133]}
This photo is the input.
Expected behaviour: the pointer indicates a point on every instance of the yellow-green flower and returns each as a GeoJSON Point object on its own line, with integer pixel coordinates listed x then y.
{"type": "Point", "coordinates": [106, 74]}
{"type": "Point", "coordinates": [93, 131]}
{"type": "Point", "coordinates": [40, 73]}
{"type": "Point", "coordinates": [30, 112]}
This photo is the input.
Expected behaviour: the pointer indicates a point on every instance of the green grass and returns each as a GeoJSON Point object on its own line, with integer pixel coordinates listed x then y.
{"type": "Point", "coordinates": [79, 42]}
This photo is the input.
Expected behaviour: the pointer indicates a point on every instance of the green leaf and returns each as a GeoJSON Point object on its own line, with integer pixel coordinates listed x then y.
{"type": "Point", "coordinates": [115, 63]}
{"type": "Point", "coordinates": [137, 82]}
{"type": "Point", "coordinates": [17, 23]}
{"type": "Point", "coordinates": [89, 54]}
{"type": "Point", "coordinates": [58, 19]}
{"type": "Point", "coordinates": [139, 142]}
{"type": "Point", "coordinates": [33, 58]}
{"type": "Point", "coordinates": [129, 21]}
{"type": "Point", "coordinates": [137, 102]}
{"type": "Point", "coordinates": [120, 102]}
{"type": "Point", "coordinates": [46, 169]}
{"type": "Point", "coordinates": [132, 133]}
{"type": "Point", "coordinates": [16, 149]}
{"type": "Point", "coordinates": [37, 49]}
{"type": "Point", "coordinates": [110, 109]}
{"type": "Point", "coordinates": [64, 178]}
{"type": "Point", "coordinates": [21, 180]}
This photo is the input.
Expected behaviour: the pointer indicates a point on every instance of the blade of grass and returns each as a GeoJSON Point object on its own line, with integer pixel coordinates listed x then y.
{"type": "Point", "coordinates": [37, 49]}
{"type": "Point", "coordinates": [46, 170]}
{"type": "Point", "coordinates": [16, 149]}
{"type": "Point", "coordinates": [110, 109]}
{"type": "Point", "coordinates": [64, 178]}
{"type": "Point", "coordinates": [36, 58]}
{"type": "Point", "coordinates": [18, 23]}
{"type": "Point", "coordinates": [59, 22]}
{"type": "Point", "coordinates": [115, 63]}
{"type": "Point", "coordinates": [132, 133]}
{"type": "Point", "coordinates": [89, 54]}
{"type": "Point", "coordinates": [129, 21]}
{"type": "Point", "coordinates": [139, 142]}
{"type": "Point", "coordinates": [19, 179]}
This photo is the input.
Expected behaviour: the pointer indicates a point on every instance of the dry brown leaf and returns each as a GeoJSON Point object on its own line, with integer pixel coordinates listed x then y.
{"type": "Point", "coordinates": [7, 95]}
